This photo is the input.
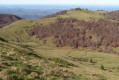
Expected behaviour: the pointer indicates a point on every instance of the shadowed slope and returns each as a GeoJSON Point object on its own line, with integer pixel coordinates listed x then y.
{"type": "Point", "coordinates": [6, 19]}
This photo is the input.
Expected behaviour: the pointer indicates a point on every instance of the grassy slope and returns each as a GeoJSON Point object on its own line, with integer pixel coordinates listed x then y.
{"type": "Point", "coordinates": [20, 62]}
{"type": "Point", "coordinates": [86, 69]}
{"type": "Point", "coordinates": [19, 30]}
{"type": "Point", "coordinates": [83, 15]}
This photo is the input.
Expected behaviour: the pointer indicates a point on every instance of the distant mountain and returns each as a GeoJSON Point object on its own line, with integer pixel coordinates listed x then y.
{"type": "Point", "coordinates": [28, 12]}
{"type": "Point", "coordinates": [6, 19]}
{"type": "Point", "coordinates": [38, 11]}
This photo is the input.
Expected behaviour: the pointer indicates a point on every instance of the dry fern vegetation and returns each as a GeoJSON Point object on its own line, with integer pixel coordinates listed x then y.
{"type": "Point", "coordinates": [78, 44]}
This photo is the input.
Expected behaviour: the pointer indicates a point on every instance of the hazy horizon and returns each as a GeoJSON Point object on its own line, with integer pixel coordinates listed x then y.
{"type": "Point", "coordinates": [36, 11]}
{"type": "Point", "coordinates": [62, 7]}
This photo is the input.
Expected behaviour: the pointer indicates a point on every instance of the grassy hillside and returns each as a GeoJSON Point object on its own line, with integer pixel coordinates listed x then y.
{"type": "Point", "coordinates": [27, 55]}
{"type": "Point", "coordinates": [83, 15]}
{"type": "Point", "coordinates": [72, 63]}
{"type": "Point", "coordinates": [18, 30]}
{"type": "Point", "coordinates": [20, 62]}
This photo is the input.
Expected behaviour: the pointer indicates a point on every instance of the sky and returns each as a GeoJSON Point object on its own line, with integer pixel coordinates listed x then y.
{"type": "Point", "coordinates": [94, 2]}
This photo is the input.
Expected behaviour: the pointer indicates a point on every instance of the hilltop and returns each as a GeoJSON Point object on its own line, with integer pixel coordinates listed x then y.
{"type": "Point", "coordinates": [6, 19]}
{"type": "Point", "coordinates": [77, 44]}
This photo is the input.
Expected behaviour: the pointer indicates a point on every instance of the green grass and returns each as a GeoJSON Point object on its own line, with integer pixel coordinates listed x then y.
{"type": "Point", "coordinates": [62, 63]}
{"type": "Point", "coordinates": [83, 15]}
{"type": "Point", "coordinates": [21, 62]}
{"type": "Point", "coordinates": [65, 58]}
{"type": "Point", "coordinates": [18, 31]}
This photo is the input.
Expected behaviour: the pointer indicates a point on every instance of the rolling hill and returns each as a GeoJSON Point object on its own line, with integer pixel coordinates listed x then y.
{"type": "Point", "coordinates": [6, 19]}
{"type": "Point", "coordinates": [38, 48]}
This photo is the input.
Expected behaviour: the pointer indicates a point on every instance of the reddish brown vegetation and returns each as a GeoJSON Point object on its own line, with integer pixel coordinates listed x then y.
{"type": "Point", "coordinates": [6, 19]}
{"type": "Point", "coordinates": [65, 32]}
{"type": "Point", "coordinates": [113, 15]}
{"type": "Point", "coordinates": [77, 9]}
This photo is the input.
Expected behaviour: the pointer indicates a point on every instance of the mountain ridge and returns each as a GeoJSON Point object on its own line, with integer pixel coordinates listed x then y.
{"type": "Point", "coordinates": [6, 19]}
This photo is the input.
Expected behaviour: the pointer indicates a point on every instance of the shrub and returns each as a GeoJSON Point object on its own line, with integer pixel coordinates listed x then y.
{"type": "Point", "coordinates": [102, 67]}
{"type": "Point", "coordinates": [77, 8]}
{"type": "Point", "coordinates": [1, 39]}
{"type": "Point", "coordinates": [113, 15]}
{"type": "Point", "coordinates": [92, 61]}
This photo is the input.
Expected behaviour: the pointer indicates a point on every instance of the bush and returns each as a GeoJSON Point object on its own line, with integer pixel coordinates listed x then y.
{"type": "Point", "coordinates": [113, 15]}
{"type": "Point", "coordinates": [77, 8]}
{"type": "Point", "coordinates": [102, 67]}
{"type": "Point", "coordinates": [91, 60]}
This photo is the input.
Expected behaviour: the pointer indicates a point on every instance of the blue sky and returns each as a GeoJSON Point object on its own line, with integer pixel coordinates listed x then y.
{"type": "Point", "coordinates": [108, 2]}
